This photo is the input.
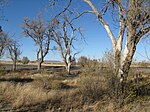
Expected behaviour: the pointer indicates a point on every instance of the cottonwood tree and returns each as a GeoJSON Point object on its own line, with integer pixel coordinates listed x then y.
{"type": "Point", "coordinates": [65, 32]}
{"type": "Point", "coordinates": [64, 36]}
{"type": "Point", "coordinates": [3, 42]}
{"type": "Point", "coordinates": [13, 51]}
{"type": "Point", "coordinates": [40, 32]}
{"type": "Point", "coordinates": [134, 21]}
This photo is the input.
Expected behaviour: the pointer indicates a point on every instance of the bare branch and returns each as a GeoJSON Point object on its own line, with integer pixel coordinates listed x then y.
{"type": "Point", "coordinates": [122, 26]}
{"type": "Point", "coordinates": [147, 54]}
{"type": "Point", "coordinates": [105, 25]}
{"type": "Point", "coordinates": [65, 9]}
{"type": "Point", "coordinates": [140, 34]}
{"type": "Point", "coordinates": [80, 14]}
{"type": "Point", "coordinates": [64, 36]}
{"type": "Point", "coordinates": [41, 33]}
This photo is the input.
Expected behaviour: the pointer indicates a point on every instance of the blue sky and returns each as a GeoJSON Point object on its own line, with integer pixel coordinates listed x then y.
{"type": "Point", "coordinates": [97, 41]}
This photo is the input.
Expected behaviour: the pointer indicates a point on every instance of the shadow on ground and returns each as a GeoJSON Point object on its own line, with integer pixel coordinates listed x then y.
{"type": "Point", "coordinates": [17, 80]}
{"type": "Point", "coordinates": [143, 90]}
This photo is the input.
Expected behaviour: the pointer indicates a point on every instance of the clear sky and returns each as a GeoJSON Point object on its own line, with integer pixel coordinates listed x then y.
{"type": "Point", "coordinates": [97, 41]}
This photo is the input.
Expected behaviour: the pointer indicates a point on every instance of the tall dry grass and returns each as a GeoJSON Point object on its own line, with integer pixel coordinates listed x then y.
{"type": "Point", "coordinates": [23, 94]}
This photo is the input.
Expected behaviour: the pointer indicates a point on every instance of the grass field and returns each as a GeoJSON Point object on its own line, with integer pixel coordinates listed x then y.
{"type": "Point", "coordinates": [85, 90]}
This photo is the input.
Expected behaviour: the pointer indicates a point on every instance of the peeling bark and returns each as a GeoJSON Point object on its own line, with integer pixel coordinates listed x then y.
{"type": "Point", "coordinates": [135, 22]}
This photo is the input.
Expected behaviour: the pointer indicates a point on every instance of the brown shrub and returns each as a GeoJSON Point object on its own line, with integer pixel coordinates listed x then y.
{"type": "Point", "coordinates": [49, 83]}
{"type": "Point", "coordinates": [92, 88]}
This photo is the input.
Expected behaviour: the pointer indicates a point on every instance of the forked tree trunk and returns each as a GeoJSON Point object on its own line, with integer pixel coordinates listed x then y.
{"type": "Point", "coordinates": [135, 29]}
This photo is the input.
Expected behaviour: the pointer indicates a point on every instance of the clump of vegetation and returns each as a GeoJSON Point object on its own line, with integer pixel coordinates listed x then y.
{"type": "Point", "coordinates": [91, 67]}
{"type": "Point", "coordinates": [25, 60]}
{"type": "Point", "coordinates": [91, 88]}
{"type": "Point", "coordinates": [82, 61]}
{"type": "Point", "coordinates": [108, 60]}
{"type": "Point", "coordinates": [93, 83]}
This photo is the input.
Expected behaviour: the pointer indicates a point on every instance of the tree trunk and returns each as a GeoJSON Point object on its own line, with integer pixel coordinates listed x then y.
{"type": "Point", "coordinates": [117, 62]}
{"type": "Point", "coordinates": [117, 71]}
{"type": "Point", "coordinates": [68, 66]}
{"type": "Point", "coordinates": [14, 65]}
{"type": "Point", "coordinates": [129, 51]}
{"type": "Point", "coordinates": [128, 60]}
{"type": "Point", "coordinates": [39, 65]}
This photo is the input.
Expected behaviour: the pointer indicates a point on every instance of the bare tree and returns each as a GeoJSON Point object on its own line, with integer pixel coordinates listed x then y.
{"type": "Point", "coordinates": [134, 20]}
{"type": "Point", "coordinates": [40, 32]}
{"type": "Point", "coordinates": [13, 51]}
{"type": "Point", "coordinates": [64, 36]}
{"type": "Point", "coordinates": [3, 42]}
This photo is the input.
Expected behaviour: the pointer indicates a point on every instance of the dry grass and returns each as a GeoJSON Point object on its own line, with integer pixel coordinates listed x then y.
{"type": "Point", "coordinates": [24, 95]}
{"type": "Point", "coordinates": [46, 92]}
{"type": "Point", "coordinates": [92, 88]}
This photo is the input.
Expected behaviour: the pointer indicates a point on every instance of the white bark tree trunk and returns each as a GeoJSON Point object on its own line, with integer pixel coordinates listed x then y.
{"type": "Point", "coordinates": [68, 67]}
{"type": "Point", "coordinates": [135, 30]}
{"type": "Point", "coordinates": [39, 65]}
{"type": "Point", "coordinates": [14, 65]}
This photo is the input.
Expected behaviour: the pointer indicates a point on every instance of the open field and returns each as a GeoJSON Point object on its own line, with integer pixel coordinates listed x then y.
{"type": "Point", "coordinates": [87, 89]}
{"type": "Point", "coordinates": [58, 67]}
{"type": "Point", "coordinates": [53, 90]}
